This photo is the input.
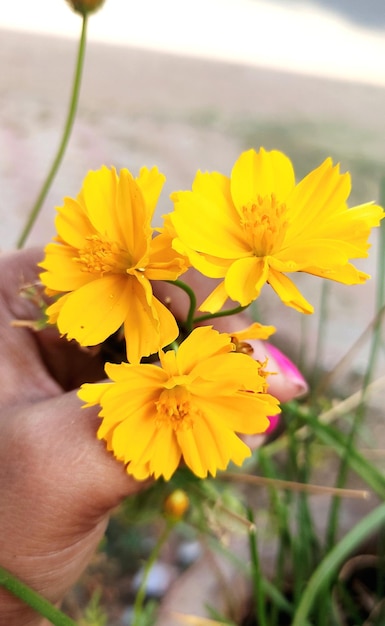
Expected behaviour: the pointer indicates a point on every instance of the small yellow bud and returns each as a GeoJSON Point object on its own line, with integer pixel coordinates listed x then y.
{"type": "Point", "coordinates": [85, 6]}
{"type": "Point", "coordinates": [176, 504]}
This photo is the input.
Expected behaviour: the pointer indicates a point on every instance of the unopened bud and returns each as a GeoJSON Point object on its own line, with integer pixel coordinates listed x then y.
{"type": "Point", "coordinates": [85, 6]}
{"type": "Point", "coordinates": [176, 504]}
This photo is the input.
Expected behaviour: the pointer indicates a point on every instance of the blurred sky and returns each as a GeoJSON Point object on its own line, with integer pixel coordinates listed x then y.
{"type": "Point", "coordinates": [294, 35]}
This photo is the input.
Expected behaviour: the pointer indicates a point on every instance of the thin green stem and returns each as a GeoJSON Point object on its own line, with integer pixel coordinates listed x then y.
{"type": "Point", "coordinates": [336, 440]}
{"type": "Point", "coordinates": [191, 321]}
{"type": "Point", "coordinates": [280, 511]}
{"type": "Point", "coordinates": [321, 332]}
{"type": "Point", "coordinates": [189, 324]}
{"type": "Point", "coordinates": [256, 574]}
{"type": "Point", "coordinates": [212, 316]}
{"type": "Point", "coordinates": [141, 594]}
{"type": "Point", "coordinates": [33, 599]}
{"type": "Point", "coordinates": [65, 137]}
{"type": "Point", "coordinates": [330, 564]}
{"type": "Point", "coordinates": [374, 347]}
{"type": "Point", "coordinates": [333, 519]}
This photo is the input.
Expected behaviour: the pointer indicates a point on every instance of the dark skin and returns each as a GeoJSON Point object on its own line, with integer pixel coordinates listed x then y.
{"type": "Point", "coordinates": [58, 483]}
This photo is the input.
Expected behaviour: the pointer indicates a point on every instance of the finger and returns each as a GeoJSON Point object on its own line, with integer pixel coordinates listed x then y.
{"type": "Point", "coordinates": [56, 458]}
{"type": "Point", "coordinates": [58, 484]}
{"type": "Point", "coordinates": [45, 363]}
{"type": "Point", "coordinates": [19, 268]}
{"type": "Point", "coordinates": [24, 375]}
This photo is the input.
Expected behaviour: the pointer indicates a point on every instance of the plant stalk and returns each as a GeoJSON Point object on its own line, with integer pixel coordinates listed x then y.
{"type": "Point", "coordinates": [64, 140]}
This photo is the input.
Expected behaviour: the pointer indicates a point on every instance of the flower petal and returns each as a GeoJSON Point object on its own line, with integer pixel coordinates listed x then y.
{"type": "Point", "coordinates": [245, 372]}
{"type": "Point", "coordinates": [206, 210]}
{"type": "Point", "coordinates": [208, 265]}
{"type": "Point", "coordinates": [132, 437]}
{"type": "Point", "coordinates": [202, 343]}
{"type": "Point", "coordinates": [147, 327]}
{"type": "Point", "coordinates": [99, 197]}
{"type": "Point", "coordinates": [288, 292]}
{"type": "Point", "coordinates": [243, 412]}
{"type": "Point", "coordinates": [215, 300]}
{"type": "Point", "coordinates": [320, 194]}
{"type": "Point", "coordinates": [150, 183]}
{"type": "Point", "coordinates": [162, 464]}
{"type": "Point", "coordinates": [207, 448]}
{"type": "Point", "coordinates": [245, 279]}
{"type": "Point", "coordinates": [346, 274]}
{"type": "Point", "coordinates": [254, 331]}
{"type": "Point", "coordinates": [72, 223]}
{"type": "Point", "coordinates": [164, 262]}
{"type": "Point", "coordinates": [62, 272]}
{"type": "Point", "coordinates": [95, 311]}
{"type": "Point", "coordinates": [261, 174]}
{"type": "Point", "coordinates": [132, 218]}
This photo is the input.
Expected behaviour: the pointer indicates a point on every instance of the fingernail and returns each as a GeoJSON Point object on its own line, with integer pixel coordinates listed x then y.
{"type": "Point", "coordinates": [288, 369]}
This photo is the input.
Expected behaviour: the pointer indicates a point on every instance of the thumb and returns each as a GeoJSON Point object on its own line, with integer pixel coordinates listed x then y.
{"type": "Point", "coordinates": [58, 484]}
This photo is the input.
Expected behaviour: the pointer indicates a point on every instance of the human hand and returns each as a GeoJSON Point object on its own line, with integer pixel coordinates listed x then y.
{"type": "Point", "coordinates": [58, 482]}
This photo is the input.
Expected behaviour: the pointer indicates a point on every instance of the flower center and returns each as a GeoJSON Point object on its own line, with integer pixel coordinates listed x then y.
{"type": "Point", "coordinates": [264, 223]}
{"type": "Point", "coordinates": [102, 257]}
{"type": "Point", "coordinates": [175, 409]}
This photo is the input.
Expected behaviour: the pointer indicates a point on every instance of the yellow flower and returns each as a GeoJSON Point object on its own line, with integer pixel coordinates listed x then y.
{"type": "Point", "coordinates": [258, 225]}
{"type": "Point", "coordinates": [190, 408]}
{"type": "Point", "coordinates": [103, 260]}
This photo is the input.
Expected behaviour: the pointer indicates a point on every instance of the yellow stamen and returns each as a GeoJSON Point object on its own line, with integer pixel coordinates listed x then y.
{"type": "Point", "coordinates": [175, 409]}
{"type": "Point", "coordinates": [103, 257]}
{"type": "Point", "coordinates": [264, 224]}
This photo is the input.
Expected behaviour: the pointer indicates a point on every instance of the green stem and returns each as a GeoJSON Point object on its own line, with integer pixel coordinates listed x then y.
{"type": "Point", "coordinates": [380, 302]}
{"type": "Point", "coordinates": [256, 574]}
{"type": "Point", "coordinates": [321, 333]}
{"type": "Point", "coordinates": [65, 138]}
{"type": "Point", "coordinates": [330, 564]}
{"type": "Point", "coordinates": [372, 361]}
{"type": "Point", "coordinates": [336, 440]}
{"type": "Point", "coordinates": [212, 316]}
{"type": "Point", "coordinates": [33, 599]}
{"type": "Point", "coordinates": [141, 594]}
{"type": "Point", "coordinates": [193, 302]}
{"type": "Point", "coordinates": [280, 512]}
{"type": "Point", "coordinates": [335, 506]}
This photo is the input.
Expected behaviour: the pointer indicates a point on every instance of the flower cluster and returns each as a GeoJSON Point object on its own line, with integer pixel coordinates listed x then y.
{"type": "Point", "coordinates": [249, 229]}
{"type": "Point", "coordinates": [104, 258]}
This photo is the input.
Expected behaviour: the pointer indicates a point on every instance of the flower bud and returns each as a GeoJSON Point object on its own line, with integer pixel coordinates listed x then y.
{"type": "Point", "coordinates": [176, 504]}
{"type": "Point", "coordinates": [85, 6]}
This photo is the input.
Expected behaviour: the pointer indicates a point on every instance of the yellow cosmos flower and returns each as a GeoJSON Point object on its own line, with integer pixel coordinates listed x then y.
{"type": "Point", "coordinates": [259, 225]}
{"type": "Point", "coordinates": [103, 260]}
{"type": "Point", "coordinates": [190, 408]}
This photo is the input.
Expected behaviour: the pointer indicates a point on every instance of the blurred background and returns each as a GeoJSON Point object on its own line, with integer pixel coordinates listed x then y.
{"type": "Point", "coordinates": [188, 85]}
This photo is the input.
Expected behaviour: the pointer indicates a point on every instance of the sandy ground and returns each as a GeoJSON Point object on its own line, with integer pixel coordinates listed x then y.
{"type": "Point", "coordinates": [144, 108]}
